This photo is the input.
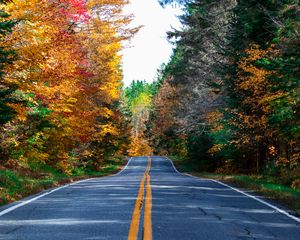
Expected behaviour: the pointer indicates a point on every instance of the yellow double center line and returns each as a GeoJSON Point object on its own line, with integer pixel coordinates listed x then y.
{"type": "Point", "coordinates": [135, 222]}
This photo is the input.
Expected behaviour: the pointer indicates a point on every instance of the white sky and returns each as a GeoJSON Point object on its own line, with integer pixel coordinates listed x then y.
{"type": "Point", "coordinates": [149, 48]}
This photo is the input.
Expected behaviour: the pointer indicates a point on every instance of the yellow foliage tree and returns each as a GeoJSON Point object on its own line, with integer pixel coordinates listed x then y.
{"type": "Point", "coordinates": [68, 73]}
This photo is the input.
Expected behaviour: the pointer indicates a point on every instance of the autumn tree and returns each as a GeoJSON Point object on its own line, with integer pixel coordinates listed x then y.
{"type": "Point", "coordinates": [251, 84]}
{"type": "Point", "coordinates": [235, 77]}
{"type": "Point", "coordinates": [68, 74]}
{"type": "Point", "coordinates": [193, 74]}
{"type": "Point", "coordinates": [138, 100]}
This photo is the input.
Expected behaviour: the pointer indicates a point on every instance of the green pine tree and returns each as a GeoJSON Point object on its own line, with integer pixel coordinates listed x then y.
{"type": "Point", "coordinates": [6, 57]}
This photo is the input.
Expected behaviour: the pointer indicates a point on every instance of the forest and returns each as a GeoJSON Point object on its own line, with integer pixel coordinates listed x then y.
{"type": "Point", "coordinates": [60, 81]}
{"type": "Point", "coordinates": [227, 102]}
{"type": "Point", "coordinates": [237, 66]}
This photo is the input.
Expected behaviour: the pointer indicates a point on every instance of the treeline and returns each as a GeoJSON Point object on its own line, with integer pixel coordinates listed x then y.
{"type": "Point", "coordinates": [137, 106]}
{"type": "Point", "coordinates": [230, 95]}
{"type": "Point", "coordinates": [60, 80]}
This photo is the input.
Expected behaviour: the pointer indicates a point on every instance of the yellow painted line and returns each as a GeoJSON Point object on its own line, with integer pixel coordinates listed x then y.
{"type": "Point", "coordinates": [135, 222]}
{"type": "Point", "coordinates": [147, 213]}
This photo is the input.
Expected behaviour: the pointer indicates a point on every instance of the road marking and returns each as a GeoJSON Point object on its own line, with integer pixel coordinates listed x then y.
{"type": "Point", "coordinates": [23, 203]}
{"type": "Point", "coordinates": [116, 174]}
{"type": "Point", "coordinates": [242, 192]}
{"type": "Point", "coordinates": [260, 200]}
{"type": "Point", "coordinates": [147, 235]}
{"type": "Point", "coordinates": [10, 209]}
{"type": "Point", "coordinates": [135, 222]}
{"type": "Point", "coordinates": [174, 166]}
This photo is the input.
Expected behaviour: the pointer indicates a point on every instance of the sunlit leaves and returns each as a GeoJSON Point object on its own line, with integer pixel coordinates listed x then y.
{"type": "Point", "coordinates": [68, 75]}
{"type": "Point", "coordinates": [138, 102]}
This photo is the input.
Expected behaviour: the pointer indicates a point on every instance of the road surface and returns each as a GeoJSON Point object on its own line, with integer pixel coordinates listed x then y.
{"type": "Point", "coordinates": [149, 199]}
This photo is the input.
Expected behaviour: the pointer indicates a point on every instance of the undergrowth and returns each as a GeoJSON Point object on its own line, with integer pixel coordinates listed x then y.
{"type": "Point", "coordinates": [16, 184]}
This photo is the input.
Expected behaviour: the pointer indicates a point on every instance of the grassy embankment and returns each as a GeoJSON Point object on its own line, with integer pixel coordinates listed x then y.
{"type": "Point", "coordinates": [270, 187]}
{"type": "Point", "coordinates": [17, 184]}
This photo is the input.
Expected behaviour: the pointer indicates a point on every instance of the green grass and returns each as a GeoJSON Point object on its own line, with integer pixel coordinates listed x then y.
{"type": "Point", "coordinates": [267, 186]}
{"type": "Point", "coordinates": [15, 185]}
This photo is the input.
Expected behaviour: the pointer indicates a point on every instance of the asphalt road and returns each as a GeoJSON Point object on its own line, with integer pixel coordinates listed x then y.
{"type": "Point", "coordinates": [182, 208]}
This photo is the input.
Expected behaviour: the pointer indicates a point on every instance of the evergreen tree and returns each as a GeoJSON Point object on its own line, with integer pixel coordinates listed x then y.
{"type": "Point", "coordinates": [6, 58]}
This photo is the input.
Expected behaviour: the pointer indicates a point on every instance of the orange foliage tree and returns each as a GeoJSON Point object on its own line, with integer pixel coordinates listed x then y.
{"type": "Point", "coordinates": [68, 75]}
{"type": "Point", "coordinates": [165, 137]}
{"type": "Point", "coordinates": [248, 127]}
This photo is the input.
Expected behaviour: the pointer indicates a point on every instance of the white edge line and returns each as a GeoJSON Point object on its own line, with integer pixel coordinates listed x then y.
{"type": "Point", "coordinates": [10, 209]}
{"type": "Point", "coordinates": [242, 192]}
{"type": "Point", "coordinates": [184, 174]}
{"type": "Point", "coordinates": [259, 200]}
{"type": "Point", "coordinates": [122, 168]}
{"type": "Point", "coordinates": [39, 196]}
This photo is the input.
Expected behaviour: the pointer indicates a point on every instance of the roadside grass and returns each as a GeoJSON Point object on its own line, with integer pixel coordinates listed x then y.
{"type": "Point", "coordinates": [15, 185]}
{"type": "Point", "coordinates": [264, 185]}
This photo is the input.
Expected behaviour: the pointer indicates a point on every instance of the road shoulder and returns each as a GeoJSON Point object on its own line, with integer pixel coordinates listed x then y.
{"type": "Point", "coordinates": [24, 187]}
{"type": "Point", "coordinates": [282, 197]}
